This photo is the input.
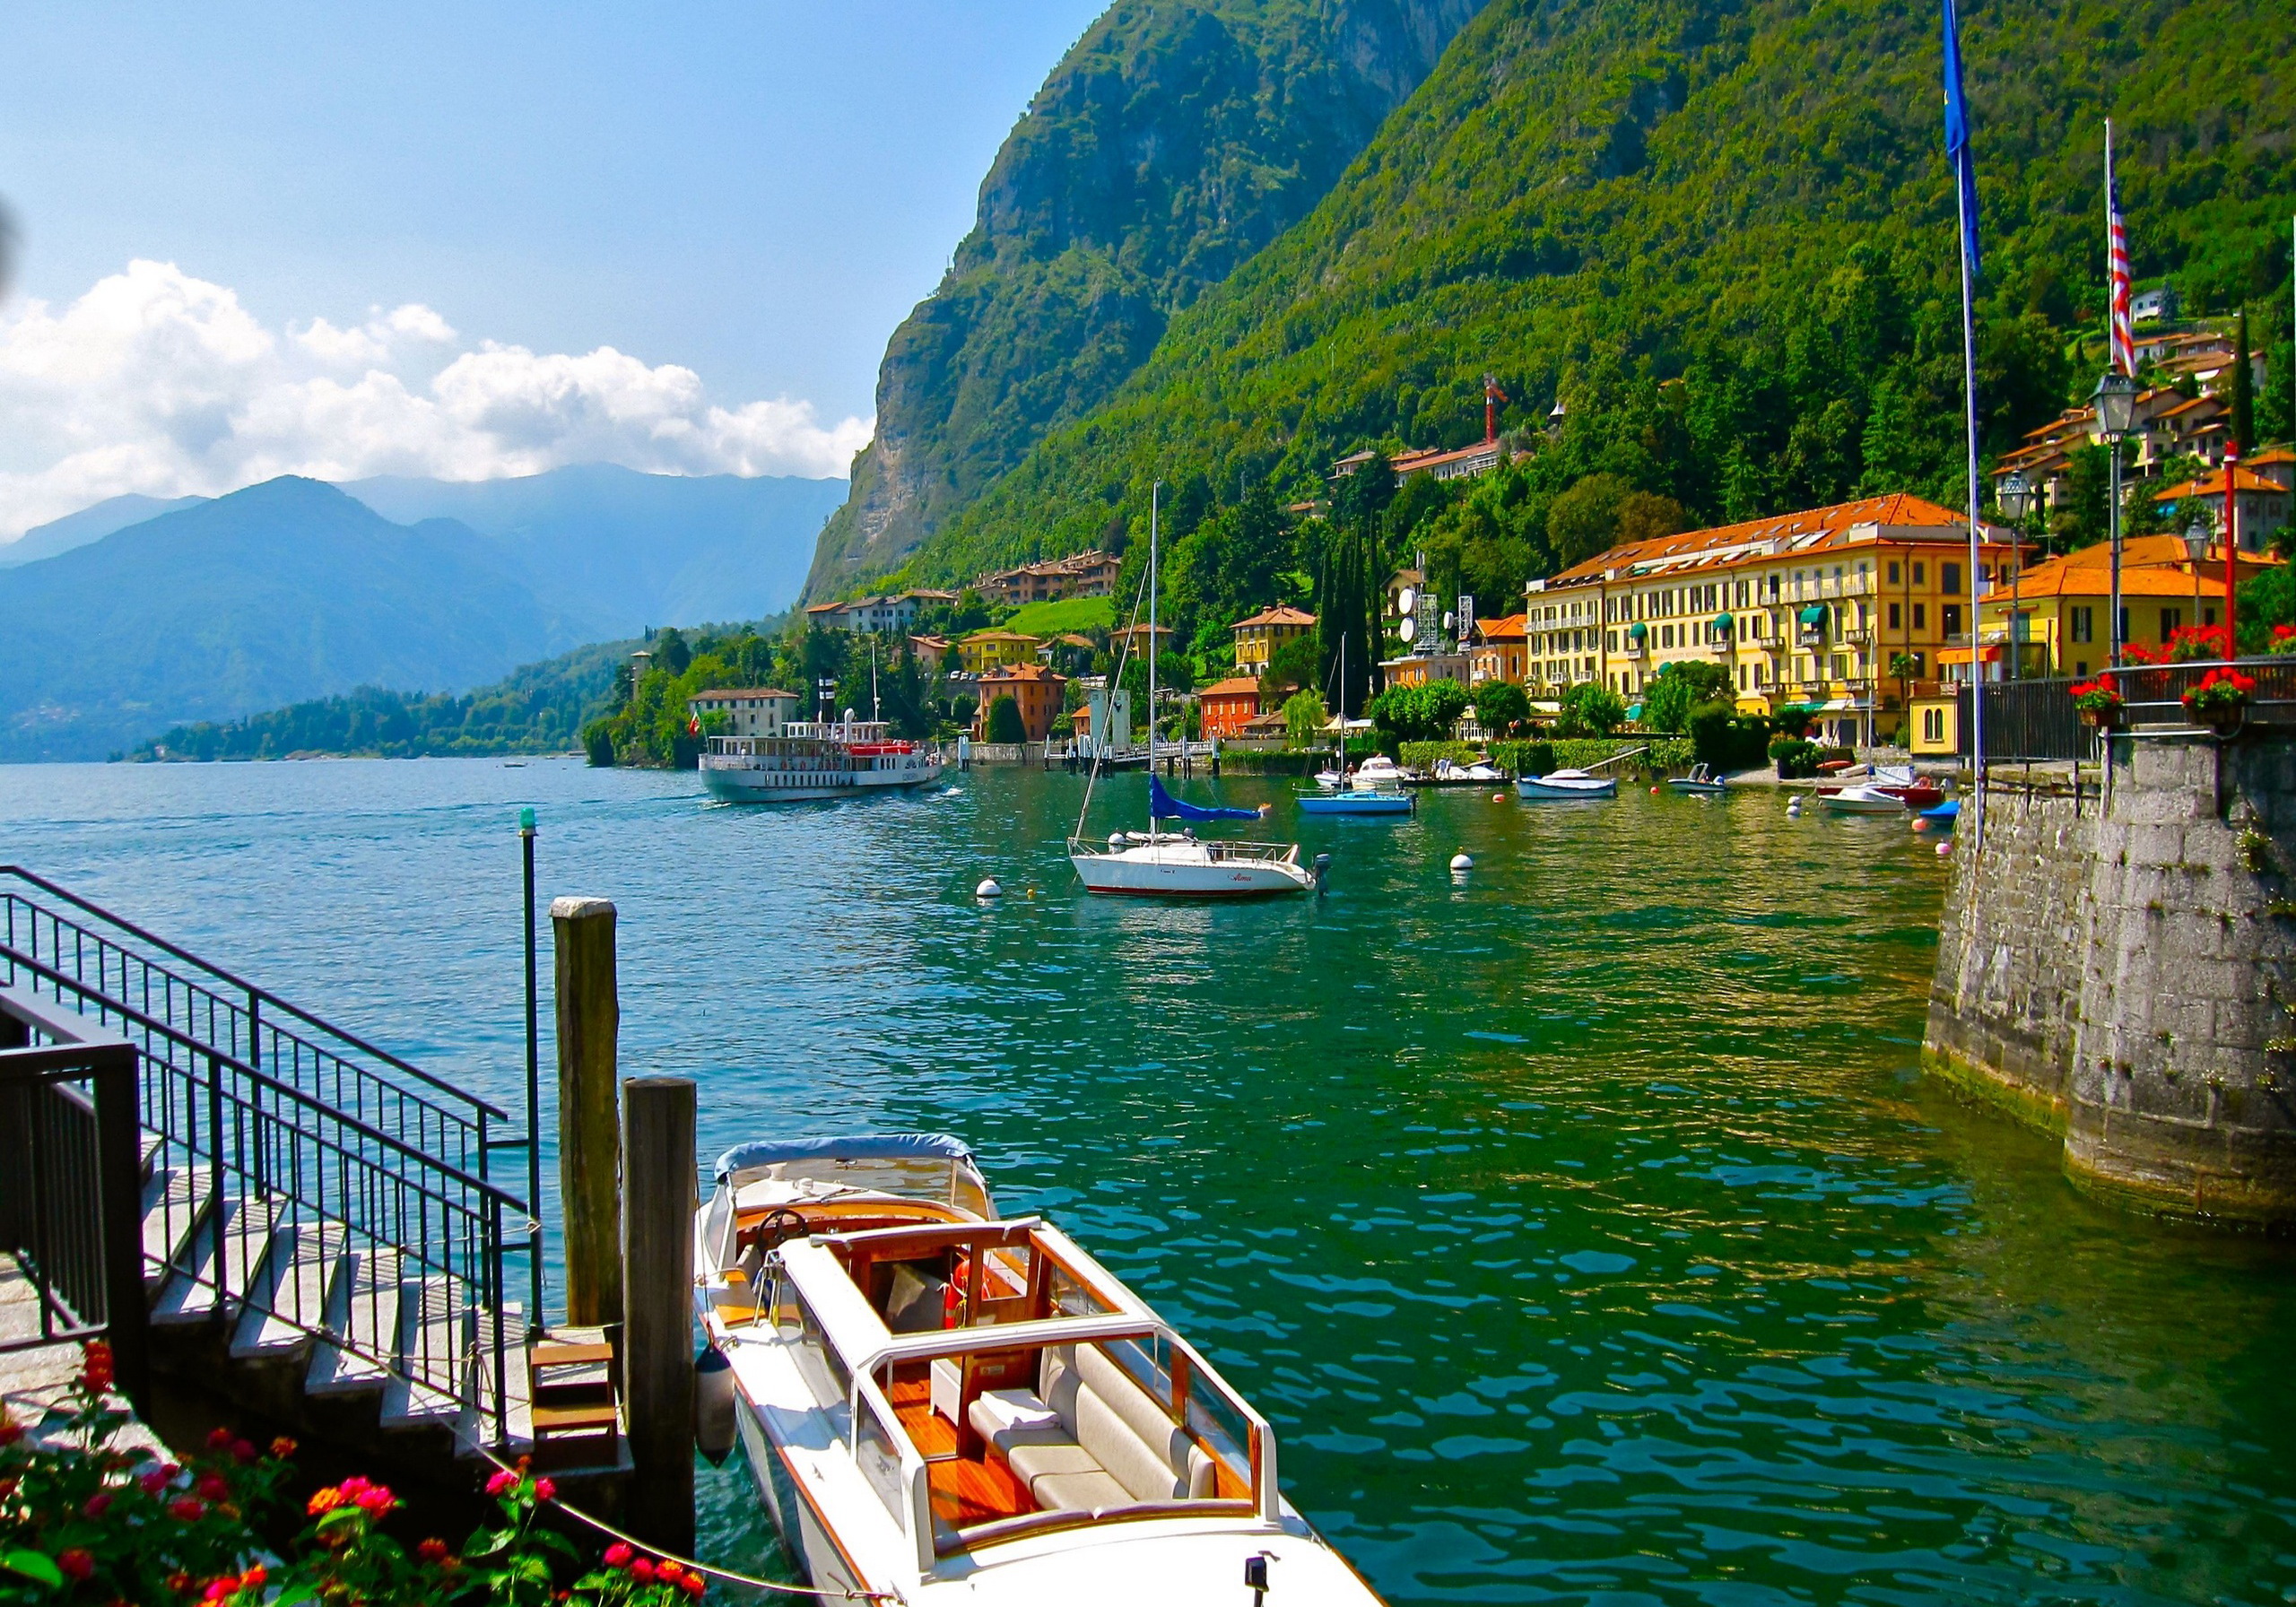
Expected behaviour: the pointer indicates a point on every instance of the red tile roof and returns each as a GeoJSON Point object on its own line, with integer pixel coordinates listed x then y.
{"type": "Point", "coordinates": [1283, 613]}
{"type": "Point", "coordinates": [1817, 529]}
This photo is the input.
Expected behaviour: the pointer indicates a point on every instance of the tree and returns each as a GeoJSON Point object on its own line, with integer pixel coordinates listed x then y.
{"type": "Point", "coordinates": [2244, 396]}
{"type": "Point", "coordinates": [1426, 713]}
{"type": "Point", "coordinates": [1585, 519]}
{"type": "Point", "coordinates": [1501, 707]}
{"type": "Point", "coordinates": [1004, 720]}
{"type": "Point", "coordinates": [1678, 688]}
{"type": "Point", "coordinates": [1903, 665]}
{"type": "Point", "coordinates": [671, 651]}
{"type": "Point", "coordinates": [1590, 708]}
{"type": "Point", "coordinates": [1645, 516]}
{"type": "Point", "coordinates": [1305, 716]}
{"type": "Point", "coordinates": [1290, 667]}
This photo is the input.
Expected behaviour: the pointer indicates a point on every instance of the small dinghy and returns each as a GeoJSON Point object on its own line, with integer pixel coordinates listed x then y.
{"type": "Point", "coordinates": [1700, 783]}
{"type": "Point", "coordinates": [1566, 784]}
{"type": "Point", "coordinates": [1944, 817]}
{"type": "Point", "coordinates": [939, 1405]}
{"type": "Point", "coordinates": [1352, 802]}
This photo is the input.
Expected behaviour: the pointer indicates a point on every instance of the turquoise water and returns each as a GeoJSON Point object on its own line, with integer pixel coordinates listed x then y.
{"type": "Point", "coordinates": [1581, 1222]}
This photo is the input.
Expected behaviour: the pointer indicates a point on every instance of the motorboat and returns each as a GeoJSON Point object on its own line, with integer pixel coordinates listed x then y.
{"type": "Point", "coordinates": [1700, 783]}
{"type": "Point", "coordinates": [1566, 784]}
{"type": "Point", "coordinates": [1379, 772]}
{"type": "Point", "coordinates": [1863, 800]}
{"type": "Point", "coordinates": [938, 1405]}
{"type": "Point", "coordinates": [1445, 772]}
{"type": "Point", "coordinates": [1385, 800]}
{"type": "Point", "coordinates": [1328, 778]}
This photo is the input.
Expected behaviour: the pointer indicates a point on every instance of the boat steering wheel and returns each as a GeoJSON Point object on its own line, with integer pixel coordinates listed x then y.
{"type": "Point", "coordinates": [780, 1225]}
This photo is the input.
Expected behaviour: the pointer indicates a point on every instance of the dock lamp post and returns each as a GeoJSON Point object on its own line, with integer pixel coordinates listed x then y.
{"type": "Point", "coordinates": [2115, 400]}
{"type": "Point", "coordinates": [2016, 494]}
{"type": "Point", "coordinates": [533, 1084]}
{"type": "Point", "coordinates": [2196, 552]}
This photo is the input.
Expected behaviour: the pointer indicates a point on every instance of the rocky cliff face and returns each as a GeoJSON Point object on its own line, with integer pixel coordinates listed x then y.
{"type": "Point", "coordinates": [1173, 142]}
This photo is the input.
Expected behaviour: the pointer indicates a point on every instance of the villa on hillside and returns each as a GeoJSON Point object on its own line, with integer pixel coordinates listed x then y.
{"type": "Point", "coordinates": [749, 711]}
{"type": "Point", "coordinates": [2260, 498]}
{"type": "Point", "coordinates": [1441, 462]}
{"type": "Point", "coordinates": [1807, 608]}
{"type": "Point", "coordinates": [1035, 690]}
{"type": "Point", "coordinates": [1084, 574]}
{"type": "Point", "coordinates": [886, 615]}
{"type": "Point", "coordinates": [985, 650]}
{"type": "Point", "coordinates": [1258, 637]}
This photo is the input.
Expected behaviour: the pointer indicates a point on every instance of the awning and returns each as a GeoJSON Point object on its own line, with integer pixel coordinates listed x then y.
{"type": "Point", "coordinates": [1837, 705]}
{"type": "Point", "coordinates": [1723, 622]}
{"type": "Point", "coordinates": [1961, 655]}
{"type": "Point", "coordinates": [1638, 629]}
{"type": "Point", "coordinates": [1814, 614]}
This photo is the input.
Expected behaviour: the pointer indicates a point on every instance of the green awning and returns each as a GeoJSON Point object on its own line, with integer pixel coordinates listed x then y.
{"type": "Point", "coordinates": [1722, 622]}
{"type": "Point", "coordinates": [1638, 629]}
{"type": "Point", "coordinates": [1815, 614]}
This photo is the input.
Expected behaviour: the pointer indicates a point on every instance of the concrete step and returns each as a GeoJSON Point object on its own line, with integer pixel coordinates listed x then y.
{"type": "Point", "coordinates": [432, 1361]}
{"type": "Point", "coordinates": [151, 1153]}
{"type": "Point", "coordinates": [361, 1325]}
{"type": "Point", "coordinates": [287, 1306]}
{"type": "Point", "coordinates": [189, 1295]}
{"type": "Point", "coordinates": [518, 1387]}
{"type": "Point", "coordinates": [175, 1203]}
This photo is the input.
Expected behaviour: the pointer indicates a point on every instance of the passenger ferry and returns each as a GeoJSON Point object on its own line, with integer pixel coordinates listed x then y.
{"type": "Point", "coordinates": [939, 1405]}
{"type": "Point", "coordinates": [826, 759]}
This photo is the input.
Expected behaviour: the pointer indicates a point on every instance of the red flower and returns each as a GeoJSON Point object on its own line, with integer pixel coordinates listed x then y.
{"type": "Point", "coordinates": [253, 1579]}
{"type": "Point", "coordinates": [502, 1480]}
{"type": "Point", "coordinates": [618, 1555]}
{"type": "Point", "coordinates": [189, 1509]}
{"type": "Point", "coordinates": [76, 1563]}
{"type": "Point", "coordinates": [431, 1551]}
{"type": "Point", "coordinates": [98, 1504]}
{"type": "Point", "coordinates": [154, 1481]}
{"type": "Point", "coordinates": [545, 1490]}
{"type": "Point", "coordinates": [217, 1438]}
{"type": "Point", "coordinates": [211, 1486]}
{"type": "Point", "coordinates": [642, 1571]}
{"type": "Point", "coordinates": [283, 1447]}
{"type": "Point", "coordinates": [11, 1431]}
{"type": "Point", "coordinates": [242, 1451]}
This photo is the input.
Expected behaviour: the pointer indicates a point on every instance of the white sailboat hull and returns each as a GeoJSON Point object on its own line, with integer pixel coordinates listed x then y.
{"type": "Point", "coordinates": [1191, 870]}
{"type": "Point", "coordinates": [1564, 784]}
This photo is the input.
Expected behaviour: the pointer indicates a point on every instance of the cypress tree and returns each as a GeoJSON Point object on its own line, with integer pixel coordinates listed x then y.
{"type": "Point", "coordinates": [2244, 400]}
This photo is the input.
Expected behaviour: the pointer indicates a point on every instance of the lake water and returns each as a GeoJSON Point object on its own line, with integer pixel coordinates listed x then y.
{"type": "Point", "coordinates": [1581, 1222]}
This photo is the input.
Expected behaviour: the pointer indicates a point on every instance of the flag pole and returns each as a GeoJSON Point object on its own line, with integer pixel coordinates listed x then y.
{"type": "Point", "coordinates": [1957, 143]}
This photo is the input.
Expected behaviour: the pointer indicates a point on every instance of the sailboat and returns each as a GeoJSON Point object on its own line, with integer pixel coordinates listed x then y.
{"type": "Point", "coordinates": [1156, 863]}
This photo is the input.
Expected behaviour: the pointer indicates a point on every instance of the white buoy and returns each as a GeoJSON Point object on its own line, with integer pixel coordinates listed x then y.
{"type": "Point", "coordinates": [988, 889]}
{"type": "Point", "coordinates": [1460, 862]}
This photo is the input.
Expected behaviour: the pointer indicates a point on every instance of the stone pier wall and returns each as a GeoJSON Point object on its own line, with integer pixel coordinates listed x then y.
{"type": "Point", "coordinates": [2123, 976]}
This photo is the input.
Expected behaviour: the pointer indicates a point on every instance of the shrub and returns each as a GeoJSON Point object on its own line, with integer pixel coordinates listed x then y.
{"type": "Point", "coordinates": [1727, 740]}
{"type": "Point", "coordinates": [1794, 756]}
{"type": "Point", "coordinates": [1500, 707]}
{"type": "Point", "coordinates": [598, 741]}
{"type": "Point", "coordinates": [1793, 719]}
{"type": "Point", "coordinates": [1590, 710]}
{"type": "Point", "coordinates": [1419, 713]}
{"type": "Point", "coordinates": [1004, 723]}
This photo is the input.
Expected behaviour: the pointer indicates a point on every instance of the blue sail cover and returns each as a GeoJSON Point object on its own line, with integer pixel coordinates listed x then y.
{"type": "Point", "coordinates": [867, 1146]}
{"type": "Point", "coordinates": [1163, 806]}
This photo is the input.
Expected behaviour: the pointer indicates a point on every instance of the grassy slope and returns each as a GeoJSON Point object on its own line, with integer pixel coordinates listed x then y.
{"type": "Point", "coordinates": [1584, 189]}
{"type": "Point", "coordinates": [1068, 614]}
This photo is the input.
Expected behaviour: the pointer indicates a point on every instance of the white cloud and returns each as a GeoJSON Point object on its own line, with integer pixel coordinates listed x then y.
{"type": "Point", "coordinates": [154, 381]}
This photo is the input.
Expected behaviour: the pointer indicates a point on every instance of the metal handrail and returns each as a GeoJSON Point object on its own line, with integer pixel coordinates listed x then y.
{"type": "Point", "coordinates": [248, 988]}
{"type": "Point", "coordinates": [2274, 699]}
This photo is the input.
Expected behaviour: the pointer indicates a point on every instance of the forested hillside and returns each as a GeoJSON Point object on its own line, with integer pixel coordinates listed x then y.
{"type": "Point", "coordinates": [1721, 236]}
{"type": "Point", "coordinates": [1173, 142]}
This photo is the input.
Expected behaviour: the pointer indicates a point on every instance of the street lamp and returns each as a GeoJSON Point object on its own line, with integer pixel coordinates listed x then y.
{"type": "Point", "coordinates": [2197, 551]}
{"type": "Point", "coordinates": [2016, 495]}
{"type": "Point", "coordinates": [2115, 400]}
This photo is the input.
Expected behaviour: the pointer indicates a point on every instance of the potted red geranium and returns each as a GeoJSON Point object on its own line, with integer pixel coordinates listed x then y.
{"type": "Point", "coordinates": [2222, 700]}
{"type": "Point", "coordinates": [2283, 641]}
{"type": "Point", "coordinates": [2099, 702]}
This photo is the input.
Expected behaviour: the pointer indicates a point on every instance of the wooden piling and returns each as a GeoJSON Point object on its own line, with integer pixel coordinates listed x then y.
{"type": "Point", "coordinates": [590, 1132]}
{"type": "Point", "coordinates": [657, 1283]}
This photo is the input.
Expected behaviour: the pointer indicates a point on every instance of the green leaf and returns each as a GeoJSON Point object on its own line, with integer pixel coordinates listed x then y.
{"type": "Point", "coordinates": [34, 1565]}
{"type": "Point", "coordinates": [301, 1590]}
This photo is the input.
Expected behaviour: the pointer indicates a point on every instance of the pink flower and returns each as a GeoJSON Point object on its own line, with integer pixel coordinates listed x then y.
{"type": "Point", "coordinates": [217, 1438]}
{"type": "Point", "coordinates": [211, 1486]}
{"type": "Point", "coordinates": [618, 1555]}
{"type": "Point", "coordinates": [545, 1490]}
{"type": "Point", "coordinates": [376, 1501]}
{"type": "Point", "coordinates": [242, 1451]}
{"type": "Point", "coordinates": [76, 1563]}
{"type": "Point", "coordinates": [153, 1481]}
{"type": "Point", "coordinates": [501, 1481]}
{"type": "Point", "coordinates": [189, 1509]}
{"type": "Point", "coordinates": [642, 1571]}
{"type": "Point", "coordinates": [98, 1504]}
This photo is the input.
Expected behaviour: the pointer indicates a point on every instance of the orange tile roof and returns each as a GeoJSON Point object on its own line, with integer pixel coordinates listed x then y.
{"type": "Point", "coordinates": [2276, 454]}
{"type": "Point", "coordinates": [1516, 625]}
{"type": "Point", "coordinates": [1235, 686]}
{"type": "Point", "coordinates": [1021, 672]}
{"type": "Point", "coordinates": [1816, 530]}
{"type": "Point", "coordinates": [1283, 613]}
{"type": "Point", "coordinates": [2213, 485]}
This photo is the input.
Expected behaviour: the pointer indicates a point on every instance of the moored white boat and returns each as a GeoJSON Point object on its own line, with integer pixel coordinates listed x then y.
{"type": "Point", "coordinates": [1566, 784]}
{"type": "Point", "coordinates": [1863, 800]}
{"type": "Point", "coordinates": [940, 1406]}
{"type": "Point", "coordinates": [1700, 783]}
{"type": "Point", "coordinates": [1178, 865]}
{"type": "Point", "coordinates": [1378, 772]}
{"type": "Point", "coordinates": [826, 758]}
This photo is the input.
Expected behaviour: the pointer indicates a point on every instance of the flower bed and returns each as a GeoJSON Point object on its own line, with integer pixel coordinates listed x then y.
{"type": "Point", "coordinates": [84, 1521]}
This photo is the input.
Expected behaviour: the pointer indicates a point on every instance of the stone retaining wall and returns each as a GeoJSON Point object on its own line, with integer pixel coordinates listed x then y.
{"type": "Point", "coordinates": [2123, 976]}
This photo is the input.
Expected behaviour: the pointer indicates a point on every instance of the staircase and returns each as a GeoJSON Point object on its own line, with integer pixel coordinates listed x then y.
{"type": "Point", "coordinates": [324, 1243]}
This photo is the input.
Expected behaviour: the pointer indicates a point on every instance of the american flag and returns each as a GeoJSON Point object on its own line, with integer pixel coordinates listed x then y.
{"type": "Point", "coordinates": [2124, 352]}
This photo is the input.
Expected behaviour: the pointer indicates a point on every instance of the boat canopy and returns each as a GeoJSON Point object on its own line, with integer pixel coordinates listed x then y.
{"type": "Point", "coordinates": [864, 1146]}
{"type": "Point", "coordinates": [1163, 806]}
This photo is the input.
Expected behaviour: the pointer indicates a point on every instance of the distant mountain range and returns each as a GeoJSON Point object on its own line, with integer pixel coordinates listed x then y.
{"type": "Point", "coordinates": [295, 589]}
{"type": "Point", "coordinates": [88, 525]}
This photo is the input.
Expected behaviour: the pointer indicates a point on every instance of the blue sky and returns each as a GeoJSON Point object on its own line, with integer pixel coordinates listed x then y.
{"type": "Point", "coordinates": [756, 193]}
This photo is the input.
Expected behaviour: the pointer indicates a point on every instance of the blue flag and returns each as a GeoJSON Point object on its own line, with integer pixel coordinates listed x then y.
{"type": "Point", "coordinates": [1957, 138]}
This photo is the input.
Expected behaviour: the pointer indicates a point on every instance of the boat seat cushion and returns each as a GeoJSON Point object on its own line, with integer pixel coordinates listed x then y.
{"type": "Point", "coordinates": [1078, 1492]}
{"type": "Point", "coordinates": [1123, 1427]}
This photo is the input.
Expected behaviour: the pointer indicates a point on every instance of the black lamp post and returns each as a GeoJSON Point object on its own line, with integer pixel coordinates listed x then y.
{"type": "Point", "coordinates": [2016, 495]}
{"type": "Point", "coordinates": [2196, 550]}
{"type": "Point", "coordinates": [2115, 400]}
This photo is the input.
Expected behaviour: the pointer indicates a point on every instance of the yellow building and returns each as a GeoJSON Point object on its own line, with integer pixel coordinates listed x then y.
{"type": "Point", "coordinates": [987, 650]}
{"type": "Point", "coordinates": [1807, 608]}
{"type": "Point", "coordinates": [1258, 637]}
{"type": "Point", "coordinates": [2066, 603]}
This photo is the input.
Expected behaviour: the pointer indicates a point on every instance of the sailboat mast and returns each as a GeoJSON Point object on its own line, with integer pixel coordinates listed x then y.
{"type": "Point", "coordinates": [1155, 492]}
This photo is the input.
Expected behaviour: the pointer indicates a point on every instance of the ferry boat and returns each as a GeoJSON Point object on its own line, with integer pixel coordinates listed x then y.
{"type": "Point", "coordinates": [826, 758]}
{"type": "Point", "coordinates": [942, 1406]}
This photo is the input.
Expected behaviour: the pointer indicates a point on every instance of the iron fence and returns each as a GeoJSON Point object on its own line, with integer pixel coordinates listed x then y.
{"type": "Point", "coordinates": [296, 1171]}
{"type": "Point", "coordinates": [2154, 693]}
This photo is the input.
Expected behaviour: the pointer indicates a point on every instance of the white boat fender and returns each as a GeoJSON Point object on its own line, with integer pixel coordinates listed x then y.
{"type": "Point", "coordinates": [1460, 862]}
{"type": "Point", "coordinates": [988, 889]}
{"type": "Point", "coordinates": [1945, 848]}
{"type": "Point", "coordinates": [713, 1405]}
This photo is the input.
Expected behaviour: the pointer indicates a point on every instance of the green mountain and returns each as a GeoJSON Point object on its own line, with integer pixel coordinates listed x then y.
{"type": "Point", "coordinates": [1720, 233]}
{"type": "Point", "coordinates": [285, 590]}
{"type": "Point", "coordinates": [1173, 142]}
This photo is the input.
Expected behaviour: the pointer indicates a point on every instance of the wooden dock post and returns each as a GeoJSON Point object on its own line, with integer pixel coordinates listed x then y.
{"type": "Point", "coordinates": [590, 1131]}
{"type": "Point", "coordinates": [657, 1283]}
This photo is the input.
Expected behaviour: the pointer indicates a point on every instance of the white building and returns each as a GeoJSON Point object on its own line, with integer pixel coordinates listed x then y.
{"type": "Point", "coordinates": [749, 711]}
